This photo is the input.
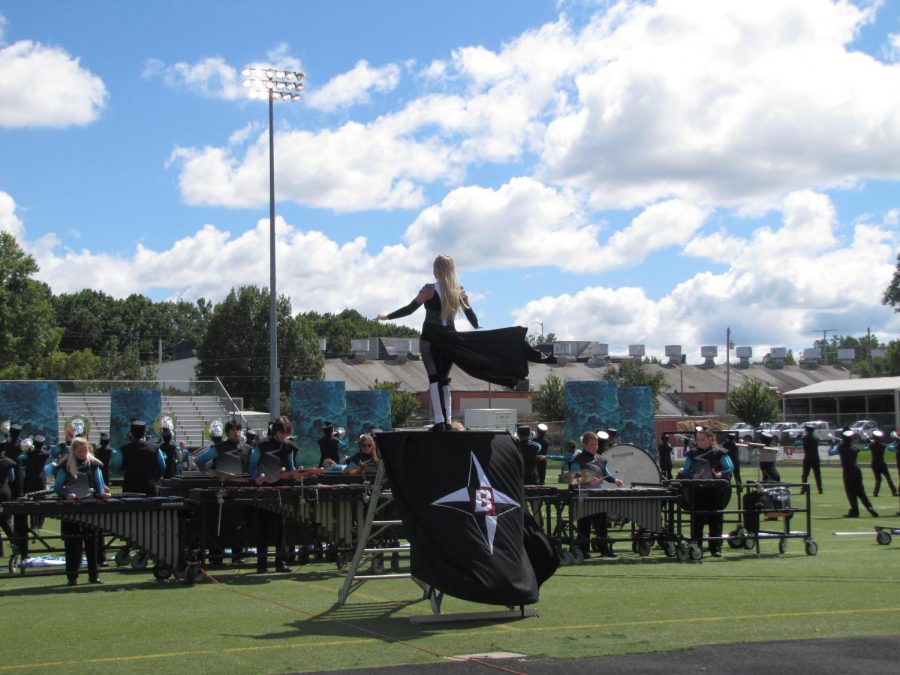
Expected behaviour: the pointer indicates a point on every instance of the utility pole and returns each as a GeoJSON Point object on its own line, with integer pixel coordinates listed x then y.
{"type": "Point", "coordinates": [825, 332]}
{"type": "Point", "coordinates": [727, 362]}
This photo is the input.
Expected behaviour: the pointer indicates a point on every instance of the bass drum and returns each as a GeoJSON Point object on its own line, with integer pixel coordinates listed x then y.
{"type": "Point", "coordinates": [631, 465]}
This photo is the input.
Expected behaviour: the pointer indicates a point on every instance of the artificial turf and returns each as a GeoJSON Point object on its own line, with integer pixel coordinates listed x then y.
{"type": "Point", "coordinates": [236, 621]}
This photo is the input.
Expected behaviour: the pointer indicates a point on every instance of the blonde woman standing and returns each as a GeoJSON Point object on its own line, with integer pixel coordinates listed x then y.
{"type": "Point", "coordinates": [79, 477]}
{"type": "Point", "coordinates": [499, 356]}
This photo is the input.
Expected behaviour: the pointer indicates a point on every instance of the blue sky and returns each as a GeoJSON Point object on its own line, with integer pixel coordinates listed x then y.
{"type": "Point", "coordinates": [631, 173]}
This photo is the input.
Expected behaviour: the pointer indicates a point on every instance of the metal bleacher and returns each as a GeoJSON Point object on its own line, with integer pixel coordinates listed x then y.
{"type": "Point", "coordinates": [192, 414]}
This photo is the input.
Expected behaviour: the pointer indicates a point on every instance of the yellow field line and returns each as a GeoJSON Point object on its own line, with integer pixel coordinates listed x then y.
{"type": "Point", "coordinates": [503, 627]}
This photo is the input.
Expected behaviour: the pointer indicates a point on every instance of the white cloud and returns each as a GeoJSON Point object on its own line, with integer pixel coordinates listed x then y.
{"type": "Point", "coordinates": [723, 102]}
{"type": "Point", "coordinates": [666, 224]}
{"type": "Point", "coordinates": [523, 223]}
{"type": "Point", "coordinates": [891, 49]}
{"type": "Point", "coordinates": [214, 77]}
{"type": "Point", "coordinates": [778, 288]}
{"type": "Point", "coordinates": [43, 86]}
{"type": "Point", "coordinates": [354, 86]}
{"type": "Point", "coordinates": [352, 168]}
{"type": "Point", "coordinates": [2, 29]}
{"type": "Point", "coordinates": [9, 221]}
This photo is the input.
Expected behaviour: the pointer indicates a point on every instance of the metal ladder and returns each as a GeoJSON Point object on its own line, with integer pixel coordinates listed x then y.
{"type": "Point", "coordinates": [374, 555]}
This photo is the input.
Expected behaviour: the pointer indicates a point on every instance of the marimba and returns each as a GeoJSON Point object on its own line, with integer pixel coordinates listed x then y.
{"type": "Point", "coordinates": [158, 525]}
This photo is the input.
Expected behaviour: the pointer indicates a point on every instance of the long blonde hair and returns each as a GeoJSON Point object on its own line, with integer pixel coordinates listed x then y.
{"type": "Point", "coordinates": [445, 273]}
{"type": "Point", "coordinates": [90, 460]}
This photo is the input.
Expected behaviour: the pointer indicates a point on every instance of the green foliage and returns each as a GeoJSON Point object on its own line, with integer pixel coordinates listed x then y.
{"type": "Point", "coordinates": [339, 329]}
{"type": "Point", "coordinates": [535, 340]}
{"type": "Point", "coordinates": [549, 401]}
{"type": "Point", "coordinates": [27, 333]}
{"type": "Point", "coordinates": [403, 403]}
{"type": "Point", "coordinates": [753, 402]}
{"type": "Point", "coordinates": [236, 346]}
{"type": "Point", "coordinates": [630, 374]}
{"type": "Point", "coordinates": [891, 295]}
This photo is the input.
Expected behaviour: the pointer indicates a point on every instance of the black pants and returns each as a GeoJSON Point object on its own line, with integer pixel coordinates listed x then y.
{"type": "Point", "coordinates": [737, 470]}
{"type": "Point", "coordinates": [882, 470]}
{"type": "Point", "coordinates": [666, 469]}
{"type": "Point", "coordinates": [769, 472]}
{"type": "Point", "coordinates": [269, 527]}
{"type": "Point", "coordinates": [714, 521]}
{"type": "Point", "coordinates": [600, 525]}
{"type": "Point", "coordinates": [811, 463]}
{"type": "Point", "coordinates": [79, 539]}
{"type": "Point", "coordinates": [853, 487]}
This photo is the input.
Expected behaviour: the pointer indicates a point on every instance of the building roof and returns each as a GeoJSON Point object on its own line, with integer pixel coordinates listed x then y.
{"type": "Point", "coordinates": [859, 386]}
{"type": "Point", "coordinates": [697, 378]}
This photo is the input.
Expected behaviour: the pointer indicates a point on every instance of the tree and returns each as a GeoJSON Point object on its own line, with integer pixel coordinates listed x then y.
{"type": "Point", "coordinates": [27, 331]}
{"type": "Point", "coordinates": [549, 401]}
{"type": "Point", "coordinates": [236, 346]}
{"type": "Point", "coordinates": [630, 374]}
{"type": "Point", "coordinates": [535, 340]}
{"type": "Point", "coordinates": [403, 403]}
{"type": "Point", "coordinates": [339, 329]}
{"type": "Point", "coordinates": [892, 292]}
{"type": "Point", "coordinates": [753, 402]}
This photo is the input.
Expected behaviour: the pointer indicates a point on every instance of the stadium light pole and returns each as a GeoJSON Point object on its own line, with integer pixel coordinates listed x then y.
{"type": "Point", "coordinates": [274, 85]}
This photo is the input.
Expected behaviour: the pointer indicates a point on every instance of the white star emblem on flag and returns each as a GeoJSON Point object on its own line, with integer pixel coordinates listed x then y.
{"type": "Point", "coordinates": [480, 501]}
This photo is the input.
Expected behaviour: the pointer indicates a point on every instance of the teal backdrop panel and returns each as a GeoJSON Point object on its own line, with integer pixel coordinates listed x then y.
{"type": "Point", "coordinates": [33, 406]}
{"type": "Point", "coordinates": [367, 410]}
{"type": "Point", "coordinates": [312, 404]}
{"type": "Point", "coordinates": [636, 418]}
{"type": "Point", "coordinates": [130, 404]}
{"type": "Point", "coordinates": [590, 405]}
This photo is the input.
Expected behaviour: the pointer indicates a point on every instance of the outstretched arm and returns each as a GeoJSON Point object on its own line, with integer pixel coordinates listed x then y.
{"type": "Point", "coordinates": [468, 311]}
{"type": "Point", "coordinates": [423, 295]}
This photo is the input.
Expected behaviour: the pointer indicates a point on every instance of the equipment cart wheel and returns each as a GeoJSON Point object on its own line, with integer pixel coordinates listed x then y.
{"type": "Point", "coordinates": [121, 558]}
{"type": "Point", "coordinates": [139, 560]}
{"type": "Point", "coordinates": [736, 538]}
{"type": "Point", "coordinates": [643, 547]}
{"type": "Point", "coordinates": [577, 556]}
{"type": "Point", "coordinates": [811, 547]}
{"type": "Point", "coordinates": [782, 545]}
{"type": "Point", "coordinates": [683, 552]}
{"type": "Point", "coordinates": [162, 571]}
{"type": "Point", "coordinates": [669, 549]}
{"type": "Point", "coordinates": [377, 565]}
{"type": "Point", "coordinates": [750, 543]}
{"type": "Point", "coordinates": [884, 538]}
{"type": "Point", "coordinates": [696, 552]}
{"type": "Point", "coordinates": [566, 558]}
{"type": "Point", "coordinates": [191, 574]}
{"type": "Point", "coordinates": [341, 560]}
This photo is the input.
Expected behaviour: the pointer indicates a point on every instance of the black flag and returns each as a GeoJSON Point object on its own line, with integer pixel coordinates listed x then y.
{"type": "Point", "coordinates": [461, 498]}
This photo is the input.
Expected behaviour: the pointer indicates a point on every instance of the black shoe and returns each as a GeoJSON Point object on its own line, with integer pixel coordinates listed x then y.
{"type": "Point", "coordinates": [851, 515]}
{"type": "Point", "coordinates": [281, 567]}
{"type": "Point", "coordinates": [73, 581]}
{"type": "Point", "coordinates": [716, 554]}
{"type": "Point", "coordinates": [95, 579]}
{"type": "Point", "coordinates": [439, 426]}
{"type": "Point", "coordinates": [610, 554]}
{"type": "Point", "coordinates": [820, 491]}
{"type": "Point", "coordinates": [873, 513]}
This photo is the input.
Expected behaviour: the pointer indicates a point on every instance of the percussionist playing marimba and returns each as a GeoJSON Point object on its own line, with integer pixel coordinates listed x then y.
{"type": "Point", "coordinates": [79, 477]}
{"type": "Point", "coordinates": [589, 460]}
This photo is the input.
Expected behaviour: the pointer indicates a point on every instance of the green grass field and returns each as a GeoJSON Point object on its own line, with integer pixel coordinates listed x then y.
{"type": "Point", "coordinates": [243, 623]}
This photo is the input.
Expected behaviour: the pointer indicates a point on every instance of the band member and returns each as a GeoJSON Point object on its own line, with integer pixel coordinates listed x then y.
{"type": "Point", "coordinates": [143, 463]}
{"type": "Point", "coordinates": [769, 472]}
{"type": "Point", "coordinates": [80, 478]}
{"type": "Point", "coordinates": [106, 455]}
{"type": "Point", "coordinates": [730, 445]}
{"type": "Point", "coordinates": [329, 448]}
{"type": "Point", "coordinates": [664, 453]}
{"type": "Point", "coordinates": [7, 469]}
{"type": "Point", "coordinates": [33, 463]}
{"type": "Point", "coordinates": [852, 475]}
{"type": "Point", "coordinates": [529, 450]}
{"type": "Point", "coordinates": [498, 356]}
{"type": "Point", "coordinates": [172, 451]}
{"type": "Point", "coordinates": [367, 453]}
{"type": "Point", "coordinates": [589, 459]}
{"type": "Point", "coordinates": [879, 467]}
{"type": "Point", "coordinates": [268, 461]}
{"type": "Point", "coordinates": [811, 456]}
{"type": "Point", "coordinates": [11, 448]}
{"type": "Point", "coordinates": [230, 454]}
{"type": "Point", "coordinates": [540, 438]}
{"type": "Point", "coordinates": [708, 460]}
